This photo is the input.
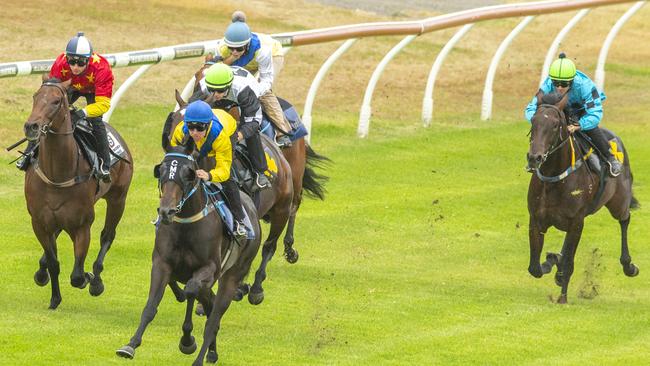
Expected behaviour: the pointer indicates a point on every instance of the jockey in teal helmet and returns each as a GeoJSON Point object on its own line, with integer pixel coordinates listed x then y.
{"type": "Point", "coordinates": [258, 53]}
{"type": "Point", "coordinates": [585, 105]}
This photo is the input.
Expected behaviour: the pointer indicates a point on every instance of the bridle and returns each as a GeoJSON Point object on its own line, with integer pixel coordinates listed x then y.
{"type": "Point", "coordinates": [46, 128]}
{"type": "Point", "coordinates": [187, 193]}
{"type": "Point", "coordinates": [556, 145]}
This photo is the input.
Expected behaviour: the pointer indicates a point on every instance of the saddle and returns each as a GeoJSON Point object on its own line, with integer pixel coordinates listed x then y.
{"type": "Point", "coordinates": [83, 134]}
{"type": "Point", "coordinates": [298, 129]}
{"type": "Point", "coordinates": [243, 172]}
{"type": "Point", "coordinates": [218, 198]}
{"type": "Point", "coordinates": [594, 158]}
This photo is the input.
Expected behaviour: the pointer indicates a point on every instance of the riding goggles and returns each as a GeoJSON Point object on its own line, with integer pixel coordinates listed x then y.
{"type": "Point", "coordinates": [562, 83]}
{"type": "Point", "coordinates": [219, 90]}
{"type": "Point", "coordinates": [196, 126]}
{"type": "Point", "coordinates": [75, 60]}
{"type": "Point", "coordinates": [238, 49]}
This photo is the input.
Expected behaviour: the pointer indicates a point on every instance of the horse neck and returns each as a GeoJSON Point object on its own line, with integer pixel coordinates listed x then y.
{"type": "Point", "coordinates": [194, 204]}
{"type": "Point", "coordinates": [559, 160]}
{"type": "Point", "coordinates": [58, 155]}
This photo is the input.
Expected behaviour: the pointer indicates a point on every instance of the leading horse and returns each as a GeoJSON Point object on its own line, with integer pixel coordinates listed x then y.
{"type": "Point", "coordinates": [564, 190]}
{"type": "Point", "coordinates": [61, 191]}
{"type": "Point", "coordinates": [191, 247]}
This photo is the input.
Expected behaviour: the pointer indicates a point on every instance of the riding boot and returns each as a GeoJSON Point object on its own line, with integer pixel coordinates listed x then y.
{"type": "Point", "coordinates": [24, 160]}
{"type": "Point", "coordinates": [99, 131]}
{"type": "Point", "coordinates": [600, 141]}
{"type": "Point", "coordinates": [258, 159]}
{"type": "Point", "coordinates": [232, 194]}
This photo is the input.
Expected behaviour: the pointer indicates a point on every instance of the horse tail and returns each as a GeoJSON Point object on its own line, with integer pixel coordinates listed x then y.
{"type": "Point", "coordinates": [313, 183]}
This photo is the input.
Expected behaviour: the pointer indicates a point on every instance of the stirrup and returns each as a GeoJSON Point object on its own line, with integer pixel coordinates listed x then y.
{"type": "Point", "coordinates": [103, 173]}
{"type": "Point", "coordinates": [23, 162]}
{"type": "Point", "coordinates": [262, 181]}
{"type": "Point", "coordinates": [283, 141]}
{"type": "Point", "coordinates": [615, 167]}
{"type": "Point", "coordinates": [240, 230]}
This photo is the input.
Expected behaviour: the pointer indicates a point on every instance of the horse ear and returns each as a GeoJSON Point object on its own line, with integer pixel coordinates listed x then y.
{"type": "Point", "coordinates": [66, 84]}
{"type": "Point", "coordinates": [563, 101]}
{"type": "Point", "coordinates": [156, 171]}
{"type": "Point", "coordinates": [166, 130]}
{"type": "Point", "coordinates": [181, 103]}
{"type": "Point", "coordinates": [189, 146]}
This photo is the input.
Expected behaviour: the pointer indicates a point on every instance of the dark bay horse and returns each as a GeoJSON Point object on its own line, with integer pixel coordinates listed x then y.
{"type": "Point", "coordinates": [191, 247]}
{"type": "Point", "coordinates": [61, 191]}
{"type": "Point", "coordinates": [563, 191]}
{"type": "Point", "coordinates": [303, 161]}
{"type": "Point", "coordinates": [273, 204]}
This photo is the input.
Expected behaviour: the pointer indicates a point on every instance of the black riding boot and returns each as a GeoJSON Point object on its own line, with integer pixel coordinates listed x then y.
{"type": "Point", "coordinates": [23, 162]}
{"type": "Point", "coordinates": [99, 131]}
{"type": "Point", "coordinates": [258, 159]}
{"type": "Point", "coordinates": [232, 194]}
{"type": "Point", "coordinates": [598, 137]}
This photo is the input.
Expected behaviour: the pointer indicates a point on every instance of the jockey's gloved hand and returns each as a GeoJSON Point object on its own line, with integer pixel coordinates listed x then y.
{"type": "Point", "coordinates": [77, 115]}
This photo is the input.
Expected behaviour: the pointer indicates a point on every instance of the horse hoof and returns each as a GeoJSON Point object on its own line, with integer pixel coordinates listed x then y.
{"type": "Point", "coordinates": [561, 299]}
{"type": "Point", "coordinates": [126, 352]}
{"type": "Point", "coordinates": [631, 270]}
{"type": "Point", "coordinates": [54, 303]}
{"type": "Point", "coordinates": [41, 278]}
{"type": "Point", "coordinates": [241, 291]}
{"type": "Point", "coordinates": [256, 298]}
{"type": "Point", "coordinates": [96, 288]}
{"type": "Point", "coordinates": [212, 357]}
{"type": "Point", "coordinates": [188, 350]}
{"type": "Point", "coordinates": [292, 256]}
{"type": "Point", "coordinates": [199, 310]}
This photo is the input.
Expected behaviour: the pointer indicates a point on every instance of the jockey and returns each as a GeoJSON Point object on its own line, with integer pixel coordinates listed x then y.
{"type": "Point", "coordinates": [585, 105]}
{"type": "Point", "coordinates": [228, 85]}
{"type": "Point", "coordinates": [92, 78]}
{"type": "Point", "coordinates": [212, 138]}
{"type": "Point", "coordinates": [257, 52]}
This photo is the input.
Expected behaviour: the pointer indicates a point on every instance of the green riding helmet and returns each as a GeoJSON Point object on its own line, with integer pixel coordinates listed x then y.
{"type": "Point", "coordinates": [562, 69]}
{"type": "Point", "coordinates": [218, 76]}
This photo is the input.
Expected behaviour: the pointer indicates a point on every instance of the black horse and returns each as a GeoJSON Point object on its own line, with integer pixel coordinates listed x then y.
{"type": "Point", "coordinates": [564, 190]}
{"type": "Point", "coordinates": [192, 248]}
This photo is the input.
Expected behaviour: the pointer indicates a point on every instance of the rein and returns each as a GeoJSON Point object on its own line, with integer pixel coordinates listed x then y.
{"type": "Point", "coordinates": [47, 129]}
{"type": "Point", "coordinates": [559, 142]}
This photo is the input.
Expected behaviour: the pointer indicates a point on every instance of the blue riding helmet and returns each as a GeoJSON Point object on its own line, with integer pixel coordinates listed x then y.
{"type": "Point", "coordinates": [79, 46]}
{"type": "Point", "coordinates": [237, 34]}
{"type": "Point", "coordinates": [199, 111]}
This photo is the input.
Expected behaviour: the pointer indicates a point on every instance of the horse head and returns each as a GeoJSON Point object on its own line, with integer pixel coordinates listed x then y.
{"type": "Point", "coordinates": [177, 179]}
{"type": "Point", "coordinates": [548, 128]}
{"type": "Point", "coordinates": [49, 111]}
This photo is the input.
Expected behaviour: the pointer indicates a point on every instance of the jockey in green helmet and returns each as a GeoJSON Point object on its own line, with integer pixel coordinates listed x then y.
{"type": "Point", "coordinates": [585, 105]}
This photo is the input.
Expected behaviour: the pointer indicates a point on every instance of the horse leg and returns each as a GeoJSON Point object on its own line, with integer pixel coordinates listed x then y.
{"type": "Point", "coordinates": [48, 242]}
{"type": "Point", "coordinates": [41, 277]}
{"type": "Point", "coordinates": [221, 302]}
{"type": "Point", "coordinates": [206, 296]}
{"type": "Point", "coordinates": [629, 268]}
{"type": "Point", "coordinates": [178, 293]}
{"type": "Point", "coordinates": [536, 241]}
{"type": "Point", "coordinates": [201, 278]}
{"type": "Point", "coordinates": [81, 239]}
{"type": "Point", "coordinates": [565, 268]}
{"type": "Point", "coordinates": [256, 294]}
{"type": "Point", "coordinates": [114, 211]}
{"type": "Point", "coordinates": [187, 344]}
{"type": "Point", "coordinates": [160, 273]}
{"type": "Point", "coordinates": [290, 254]}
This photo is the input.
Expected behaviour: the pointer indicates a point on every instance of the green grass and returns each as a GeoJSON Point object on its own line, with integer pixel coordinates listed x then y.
{"type": "Point", "coordinates": [417, 256]}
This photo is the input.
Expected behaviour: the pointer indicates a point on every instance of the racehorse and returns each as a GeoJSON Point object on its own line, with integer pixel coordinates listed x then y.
{"type": "Point", "coordinates": [274, 203]}
{"type": "Point", "coordinates": [192, 248]}
{"type": "Point", "coordinates": [61, 191]}
{"type": "Point", "coordinates": [561, 194]}
{"type": "Point", "coordinates": [303, 161]}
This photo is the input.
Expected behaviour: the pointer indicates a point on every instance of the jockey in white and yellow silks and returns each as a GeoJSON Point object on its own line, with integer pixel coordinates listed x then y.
{"type": "Point", "coordinates": [212, 135]}
{"type": "Point", "coordinates": [257, 53]}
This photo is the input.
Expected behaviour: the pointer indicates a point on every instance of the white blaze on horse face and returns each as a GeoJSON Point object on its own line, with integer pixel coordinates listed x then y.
{"type": "Point", "coordinates": [172, 170]}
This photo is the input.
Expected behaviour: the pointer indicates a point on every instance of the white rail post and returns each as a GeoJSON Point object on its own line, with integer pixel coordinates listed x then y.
{"type": "Point", "coordinates": [313, 89]}
{"type": "Point", "coordinates": [123, 88]}
{"type": "Point", "coordinates": [427, 102]}
{"type": "Point", "coordinates": [366, 110]}
{"type": "Point", "coordinates": [602, 57]}
{"type": "Point", "coordinates": [486, 106]}
{"type": "Point", "coordinates": [552, 50]}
